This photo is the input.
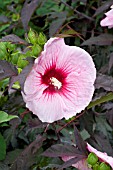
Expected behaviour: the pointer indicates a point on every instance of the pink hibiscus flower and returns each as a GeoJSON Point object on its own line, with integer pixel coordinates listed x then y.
{"type": "Point", "coordinates": [108, 20]}
{"type": "Point", "coordinates": [61, 82]}
{"type": "Point", "coordinates": [82, 164]}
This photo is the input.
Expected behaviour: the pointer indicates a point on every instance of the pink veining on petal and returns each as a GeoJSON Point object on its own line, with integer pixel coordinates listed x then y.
{"type": "Point", "coordinates": [61, 82]}
{"type": "Point", "coordinates": [102, 156]}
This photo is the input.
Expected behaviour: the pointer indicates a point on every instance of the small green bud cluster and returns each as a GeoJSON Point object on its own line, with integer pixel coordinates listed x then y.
{"type": "Point", "coordinates": [95, 164]}
{"type": "Point", "coordinates": [37, 41]}
{"type": "Point", "coordinates": [6, 49]}
{"type": "Point", "coordinates": [9, 53]}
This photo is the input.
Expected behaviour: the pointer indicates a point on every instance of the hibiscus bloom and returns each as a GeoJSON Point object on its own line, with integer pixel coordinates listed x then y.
{"type": "Point", "coordinates": [108, 20]}
{"type": "Point", "coordinates": [61, 82]}
{"type": "Point", "coordinates": [82, 164]}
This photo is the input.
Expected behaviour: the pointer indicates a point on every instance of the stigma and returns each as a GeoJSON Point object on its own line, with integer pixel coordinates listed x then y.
{"type": "Point", "coordinates": [57, 84]}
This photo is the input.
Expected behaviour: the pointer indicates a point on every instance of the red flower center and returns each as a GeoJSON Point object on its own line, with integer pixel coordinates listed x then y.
{"type": "Point", "coordinates": [54, 78]}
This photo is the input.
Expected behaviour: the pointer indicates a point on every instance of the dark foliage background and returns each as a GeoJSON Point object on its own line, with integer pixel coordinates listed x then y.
{"type": "Point", "coordinates": [25, 142]}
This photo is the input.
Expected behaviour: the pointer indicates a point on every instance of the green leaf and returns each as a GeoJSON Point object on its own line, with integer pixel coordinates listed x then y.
{"type": "Point", "coordinates": [2, 148]}
{"type": "Point", "coordinates": [3, 125]}
{"type": "Point", "coordinates": [103, 99]}
{"type": "Point", "coordinates": [4, 117]}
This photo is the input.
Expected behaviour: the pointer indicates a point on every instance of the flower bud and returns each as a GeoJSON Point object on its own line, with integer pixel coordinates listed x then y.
{"type": "Point", "coordinates": [41, 39]}
{"type": "Point", "coordinates": [36, 49]}
{"type": "Point", "coordinates": [10, 47]}
{"type": "Point", "coordinates": [92, 159]}
{"type": "Point", "coordinates": [14, 57]}
{"type": "Point", "coordinates": [104, 166]}
{"type": "Point", "coordinates": [32, 36]}
{"type": "Point", "coordinates": [22, 62]}
{"type": "Point", "coordinates": [2, 55]}
{"type": "Point", "coordinates": [3, 46]}
{"type": "Point", "coordinates": [96, 167]}
{"type": "Point", "coordinates": [15, 17]}
{"type": "Point", "coordinates": [3, 51]}
{"type": "Point", "coordinates": [29, 53]}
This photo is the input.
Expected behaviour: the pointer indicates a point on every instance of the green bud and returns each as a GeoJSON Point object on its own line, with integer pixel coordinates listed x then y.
{"type": "Point", "coordinates": [19, 70]}
{"type": "Point", "coordinates": [36, 50]}
{"type": "Point", "coordinates": [10, 47]}
{"type": "Point", "coordinates": [15, 17]}
{"type": "Point", "coordinates": [104, 166]}
{"type": "Point", "coordinates": [92, 159]}
{"type": "Point", "coordinates": [16, 85]}
{"type": "Point", "coordinates": [96, 167]}
{"type": "Point", "coordinates": [3, 47]}
{"type": "Point", "coordinates": [2, 55]}
{"type": "Point", "coordinates": [14, 57]}
{"type": "Point", "coordinates": [22, 62]}
{"type": "Point", "coordinates": [29, 53]}
{"type": "Point", "coordinates": [32, 36]}
{"type": "Point", "coordinates": [41, 39]}
{"type": "Point", "coordinates": [3, 50]}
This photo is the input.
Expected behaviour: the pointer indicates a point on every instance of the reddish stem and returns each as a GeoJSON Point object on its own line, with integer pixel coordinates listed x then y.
{"type": "Point", "coordinates": [46, 127]}
{"type": "Point", "coordinates": [70, 122]}
{"type": "Point", "coordinates": [24, 113]}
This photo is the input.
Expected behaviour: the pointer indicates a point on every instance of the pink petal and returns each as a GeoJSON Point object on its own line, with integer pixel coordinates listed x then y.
{"type": "Point", "coordinates": [81, 165]}
{"type": "Point", "coordinates": [108, 20]}
{"type": "Point", "coordinates": [109, 13]}
{"type": "Point", "coordinates": [110, 26]}
{"type": "Point", "coordinates": [79, 89]}
{"type": "Point", "coordinates": [33, 82]}
{"type": "Point", "coordinates": [51, 52]}
{"type": "Point", "coordinates": [102, 156]}
{"type": "Point", "coordinates": [48, 108]}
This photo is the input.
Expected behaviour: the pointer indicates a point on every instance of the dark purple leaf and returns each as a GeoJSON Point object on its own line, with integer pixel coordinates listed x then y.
{"type": "Point", "coordinates": [102, 8]}
{"type": "Point", "coordinates": [104, 69]}
{"type": "Point", "coordinates": [11, 8]}
{"type": "Point", "coordinates": [3, 19]}
{"type": "Point", "coordinates": [36, 123]}
{"type": "Point", "coordinates": [109, 116]}
{"type": "Point", "coordinates": [103, 39]}
{"type": "Point", "coordinates": [71, 161]}
{"type": "Point", "coordinates": [55, 25]}
{"type": "Point", "coordinates": [104, 143]}
{"type": "Point", "coordinates": [7, 69]}
{"type": "Point", "coordinates": [87, 121]}
{"type": "Point", "coordinates": [80, 142]}
{"type": "Point", "coordinates": [14, 39]}
{"type": "Point", "coordinates": [59, 19]}
{"type": "Point", "coordinates": [27, 11]}
{"type": "Point", "coordinates": [104, 81]}
{"type": "Point", "coordinates": [22, 76]}
{"type": "Point", "coordinates": [12, 107]}
{"type": "Point", "coordinates": [60, 150]}
{"type": "Point", "coordinates": [110, 62]}
{"type": "Point", "coordinates": [27, 158]}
